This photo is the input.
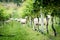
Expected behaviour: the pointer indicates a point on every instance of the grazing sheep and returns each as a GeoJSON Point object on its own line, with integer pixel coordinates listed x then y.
{"type": "Point", "coordinates": [48, 16]}
{"type": "Point", "coordinates": [17, 19]}
{"type": "Point", "coordinates": [45, 21]}
{"type": "Point", "coordinates": [7, 21]}
{"type": "Point", "coordinates": [49, 19]}
{"type": "Point", "coordinates": [36, 23]}
{"type": "Point", "coordinates": [11, 19]}
{"type": "Point", "coordinates": [23, 21]}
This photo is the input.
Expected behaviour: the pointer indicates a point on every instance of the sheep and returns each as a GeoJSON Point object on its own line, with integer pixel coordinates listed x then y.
{"type": "Point", "coordinates": [11, 19]}
{"type": "Point", "coordinates": [44, 21]}
{"type": "Point", "coordinates": [39, 23]}
{"type": "Point", "coordinates": [36, 23]}
{"type": "Point", "coordinates": [49, 19]}
{"type": "Point", "coordinates": [48, 16]}
{"type": "Point", "coordinates": [18, 20]}
{"type": "Point", "coordinates": [23, 21]}
{"type": "Point", "coordinates": [7, 21]}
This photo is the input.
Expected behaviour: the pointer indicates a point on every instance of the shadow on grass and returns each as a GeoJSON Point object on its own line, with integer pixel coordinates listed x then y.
{"type": "Point", "coordinates": [6, 35]}
{"type": "Point", "coordinates": [42, 32]}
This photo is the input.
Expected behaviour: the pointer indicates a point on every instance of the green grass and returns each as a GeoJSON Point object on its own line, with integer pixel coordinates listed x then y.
{"type": "Point", "coordinates": [16, 31]}
{"type": "Point", "coordinates": [51, 33]}
{"type": "Point", "coordinates": [57, 27]}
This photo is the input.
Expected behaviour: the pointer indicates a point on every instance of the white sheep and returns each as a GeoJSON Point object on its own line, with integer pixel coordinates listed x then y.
{"type": "Point", "coordinates": [7, 21]}
{"type": "Point", "coordinates": [36, 23]}
{"type": "Point", "coordinates": [44, 21]}
{"type": "Point", "coordinates": [23, 21]}
{"type": "Point", "coordinates": [18, 19]}
{"type": "Point", "coordinates": [11, 19]}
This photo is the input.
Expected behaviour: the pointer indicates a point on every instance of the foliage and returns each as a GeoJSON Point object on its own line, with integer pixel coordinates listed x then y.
{"type": "Point", "coordinates": [51, 3]}
{"type": "Point", "coordinates": [26, 8]}
{"type": "Point", "coordinates": [4, 13]}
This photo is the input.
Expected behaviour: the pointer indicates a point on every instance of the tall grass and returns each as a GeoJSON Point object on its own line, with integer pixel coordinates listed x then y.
{"type": "Point", "coordinates": [16, 31]}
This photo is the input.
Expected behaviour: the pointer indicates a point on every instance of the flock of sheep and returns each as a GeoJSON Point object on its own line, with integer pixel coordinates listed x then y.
{"type": "Point", "coordinates": [24, 21]}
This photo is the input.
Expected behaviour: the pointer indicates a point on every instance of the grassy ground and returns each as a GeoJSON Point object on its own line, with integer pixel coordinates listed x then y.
{"type": "Point", "coordinates": [16, 31]}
